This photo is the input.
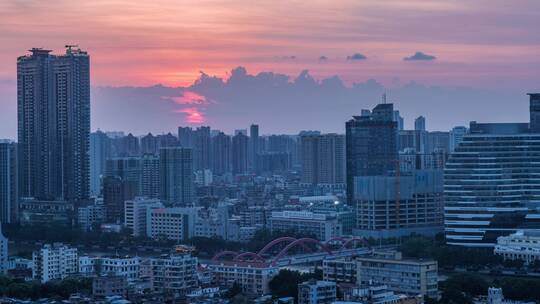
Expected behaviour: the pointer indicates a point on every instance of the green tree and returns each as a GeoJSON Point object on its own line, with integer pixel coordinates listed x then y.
{"type": "Point", "coordinates": [285, 283]}
{"type": "Point", "coordinates": [235, 290]}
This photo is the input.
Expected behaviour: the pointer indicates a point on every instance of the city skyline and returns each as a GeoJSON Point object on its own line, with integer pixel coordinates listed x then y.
{"type": "Point", "coordinates": [428, 68]}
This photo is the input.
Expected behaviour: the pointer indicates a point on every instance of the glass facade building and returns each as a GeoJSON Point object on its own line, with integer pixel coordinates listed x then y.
{"type": "Point", "coordinates": [492, 184]}
{"type": "Point", "coordinates": [371, 144]}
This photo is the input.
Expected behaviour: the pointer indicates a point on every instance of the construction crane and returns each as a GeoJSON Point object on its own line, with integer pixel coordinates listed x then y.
{"type": "Point", "coordinates": [397, 185]}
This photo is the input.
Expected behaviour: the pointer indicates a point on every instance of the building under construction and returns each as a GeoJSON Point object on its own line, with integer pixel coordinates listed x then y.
{"type": "Point", "coordinates": [386, 207]}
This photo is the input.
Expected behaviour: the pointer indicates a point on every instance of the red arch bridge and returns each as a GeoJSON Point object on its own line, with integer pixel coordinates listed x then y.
{"type": "Point", "coordinates": [292, 251]}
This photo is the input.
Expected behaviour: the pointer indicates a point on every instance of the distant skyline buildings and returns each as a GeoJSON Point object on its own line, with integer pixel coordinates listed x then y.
{"type": "Point", "coordinates": [8, 182]}
{"type": "Point", "coordinates": [202, 87]}
{"type": "Point", "coordinates": [176, 175]}
{"type": "Point", "coordinates": [323, 159]}
{"type": "Point", "coordinates": [240, 153]}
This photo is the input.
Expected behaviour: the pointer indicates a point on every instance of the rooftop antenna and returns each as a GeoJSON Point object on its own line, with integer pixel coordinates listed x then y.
{"type": "Point", "coordinates": [384, 97]}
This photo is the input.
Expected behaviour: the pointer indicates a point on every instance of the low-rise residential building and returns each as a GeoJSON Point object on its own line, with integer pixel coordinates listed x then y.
{"type": "Point", "coordinates": [20, 268]}
{"type": "Point", "coordinates": [339, 270]}
{"type": "Point", "coordinates": [495, 296]}
{"type": "Point", "coordinates": [254, 215]}
{"type": "Point", "coordinates": [136, 212]}
{"type": "Point", "coordinates": [251, 276]}
{"type": "Point", "coordinates": [127, 267]}
{"type": "Point", "coordinates": [54, 262]}
{"type": "Point", "coordinates": [106, 286]}
{"type": "Point", "coordinates": [316, 292]}
{"type": "Point", "coordinates": [3, 253]}
{"type": "Point", "coordinates": [45, 212]}
{"type": "Point", "coordinates": [522, 245]}
{"type": "Point", "coordinates": [411, 277]}
{"type": "Point", "coordinates": [91, 215]}
{"type": "Point", "coordinates": [175, 273]}
{"type": "Point", "coordinates": [171, 223]}
{"type": "Point", "coordinates": [372, 294]}
{"type": "Point", "coordinates": [321, 226]}
{"type": "Point", "coordinates": [245, 234]}
{"type": "Point", "coordinates": [213, 222]}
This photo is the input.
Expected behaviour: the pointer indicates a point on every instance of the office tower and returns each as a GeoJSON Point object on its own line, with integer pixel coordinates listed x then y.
{"type": "Point", "coordinates": [371, 145]}
{"type": "Point", "coordinates": [420, 123]}
{"type": "Point", "coordinates": [221, 154]}
{"type": "Point", "coordinates": [149, 144]}
{"type": "Point", "coordinates": [115, 192]}
{"type": "Point", "coordinates": [185, 137]}
{"type": "Point", "coordinates": [253, 147]}
{"type": "Point", "coordinates": [437, 140]}
{"type": "Point", "coordinates": [240, 154]}
{"type": "Point", "coordinates": [150, 176]}
{"type": "Point", "coordinates": [491, 185]}
{"type": "Point", "coordinates": [8, 182]}
{"type": "Point", "coordinates": [534, 111]}
{"type": "Point", "coordinates": [100, 150]}
{"type": "Point", "coordinates": [53, 97]}
{"type": "Point", "coordinates": [407, 140]}
{"type": "Point", "coordinates": [176, 175]}
{"type": "Point", "coordinates": [323, 159]}
{"type": "Point", "coordinates": [456, 136]}
{"type": "Point", "coordinates": [201, 149]}
{"type": "Point", "coordinates": [127, 169]}
{"type": "Point", "coordinates": [399, 120]}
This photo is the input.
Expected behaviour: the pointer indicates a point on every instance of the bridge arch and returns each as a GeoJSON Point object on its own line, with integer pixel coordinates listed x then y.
{"type": "Point", "coordinates": [246, 255]}
{"type": "Point", "coordinates": [225, 253]}
{"type": "Point", "coordinates": [270, 245]}
{"type": "Point", "coordinates": [302, 242]}
{"type": "Point", "coordinates": [336, 239]}
{"type": "Point", "coordinates": [352, 241]}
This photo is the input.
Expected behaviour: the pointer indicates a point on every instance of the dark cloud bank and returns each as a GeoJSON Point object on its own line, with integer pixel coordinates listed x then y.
{"type": "Point", "coordinates": [281, 104]}
{"type": "Point", "coordinates": [420, 56]}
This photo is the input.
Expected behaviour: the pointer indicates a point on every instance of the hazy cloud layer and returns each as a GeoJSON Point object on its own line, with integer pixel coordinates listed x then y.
{"type": "Point", "coordinates": [283, 104]}
{"type": "Point", "coordinates": [420, 56]}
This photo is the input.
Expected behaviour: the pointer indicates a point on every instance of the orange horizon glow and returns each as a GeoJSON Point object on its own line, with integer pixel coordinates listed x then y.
{"type": "Point", "coordinates": [170, 42]}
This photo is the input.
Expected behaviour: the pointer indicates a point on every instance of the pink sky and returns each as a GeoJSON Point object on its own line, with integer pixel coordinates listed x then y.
{"type": "Point", "coordinates": [487, 44]}
{"type": "Point", "coordinates": [146, 42]}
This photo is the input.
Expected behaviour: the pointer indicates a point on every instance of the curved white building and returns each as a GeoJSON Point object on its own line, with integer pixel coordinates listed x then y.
{"type": "Point", "coordinates": [492, 182]}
